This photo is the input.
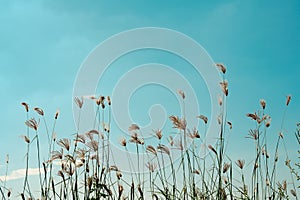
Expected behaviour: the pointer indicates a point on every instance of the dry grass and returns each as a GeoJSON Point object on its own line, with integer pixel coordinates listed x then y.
{"type": "Point", "coordinates": [86, 170]}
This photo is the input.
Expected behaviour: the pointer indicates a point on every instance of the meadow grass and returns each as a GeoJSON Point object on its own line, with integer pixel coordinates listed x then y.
{"type": "Point", "coordinates": [83, 168]}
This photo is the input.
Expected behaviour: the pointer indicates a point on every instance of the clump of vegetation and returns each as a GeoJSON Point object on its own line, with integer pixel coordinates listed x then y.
{"type": "Point", "coordinates": [82, 168]}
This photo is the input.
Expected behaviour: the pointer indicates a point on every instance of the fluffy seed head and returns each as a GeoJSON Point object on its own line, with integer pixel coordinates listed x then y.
{"type": "Point", "coordinates": [204, 118]}
{"type": "Point", "coordinates": [288, 100]}
{"type": "Point", "coordinates": [177, 122]}
{"type": "Point", "coordinates": [181, 93]}
{"type": "Point", "coordinates": [57, 155]}
{"type": "Point", "coordinates": [253, 134]}
{"type": "Point", "coordinates": [121, 189]}
{"type": "Point", "coordinates": [253, 116]}
{"type": "Point", "coordinates": [171, 140]}
{"type": "Point", "coordinates": [93, 145]}
{"type": "Point", "coordinates": [226, 167]}
{"type": "Point", "coordinates": [32, 123]}
{"type": "Point", "coordinates": [56, 114]}
{"type": "Point", "coordinates": [224, 87]}
{"type": "Point", "coordinates": [158, 133]}
{"type": "Point", "coordinates": [220, 100]}
{"type": "Point", "coordinates": [113, 168]}
{"type": "Point", "coordinates": [151, 149]}
{"type": "Point", "coordinates": [267, 182]}
{"type": "Point", "coordinates": [284, 185]}
{"type": "Point", "coordinates": [108, 100]}
{"type": "Point", "coordinates": [79, 101]}
{"type": "Point", "coordinates": [151, 166]}
{"type": "Point", "coordinates": [268, 123]}
{"type": "Point", "coordinates": [100, 100]}
{"type": "Point", "coordinates": [118, 175]}
{"type": "Point", "coordinates": [133, 127]}
{"type": "Point", "coordinates": [164, 149]}
{"type": "Point", "coordinates": [281, 134]}
{"type": "Point", "coordinates": [123, 142]}
{"type": "Point", "coordinates": [293, 192]}
{"type": "Point", "coordinates": [263, 103]}
{"type": "Point", "coordinates": [65, 143]}
{"type": "Point", "coordinates": [195, 134]}
{"type": "Point", "coordinates": [240, 163]}
{"type": "Point", "coordinates": [229, 124]}
{"type": "Point", "coordinates": [39, 111]}
{"type": "Point", "coordinates": [212, 149]}
{"type": "Point", "coordinates": [80, 138]}
{"type": "Point", "coordinates": [221, 67]}
{"type": "Point", "coordinates": [26, 106]}
{"type": "Point", "coordinates": [26, 139]}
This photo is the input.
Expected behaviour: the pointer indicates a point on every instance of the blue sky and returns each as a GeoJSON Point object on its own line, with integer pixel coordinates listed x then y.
{"type": "Point", "coordinates": [43, 44]}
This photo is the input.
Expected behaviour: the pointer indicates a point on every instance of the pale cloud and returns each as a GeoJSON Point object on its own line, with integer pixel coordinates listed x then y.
{"type": "Point", "coordinates": [20, 173]}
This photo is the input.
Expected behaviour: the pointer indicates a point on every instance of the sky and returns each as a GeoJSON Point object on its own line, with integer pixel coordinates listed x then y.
{"type": "Point", "coordinates": [44, 43]}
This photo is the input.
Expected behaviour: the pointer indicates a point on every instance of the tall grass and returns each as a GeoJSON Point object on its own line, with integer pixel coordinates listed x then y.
{"type": "Point", "coordinates": [84, 167]}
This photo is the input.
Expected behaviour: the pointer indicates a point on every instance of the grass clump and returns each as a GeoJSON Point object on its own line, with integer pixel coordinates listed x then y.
{"type": "Point", "coordinates": [84, 168]}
